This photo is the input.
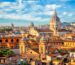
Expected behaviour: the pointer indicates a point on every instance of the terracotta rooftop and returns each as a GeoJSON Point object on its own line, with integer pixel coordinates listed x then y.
{"type": "Point", "coordinates": [52, 55]}
{"type": "Point", "coordinates": [44, 30]}
{"type": "Point", "coordinates": [64, 30]}
{"type": "Point", "coordinates": [70, 34]}
{"type": "Point", "coordinates": [69, 40]}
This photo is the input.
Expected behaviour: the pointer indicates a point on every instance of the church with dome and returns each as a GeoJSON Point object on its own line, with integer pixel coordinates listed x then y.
{"type": "Point", "coordinates": [55, 28]}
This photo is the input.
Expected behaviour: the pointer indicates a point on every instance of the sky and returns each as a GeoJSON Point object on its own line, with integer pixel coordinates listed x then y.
{"type": "Point", "coordinates": [23, 12]}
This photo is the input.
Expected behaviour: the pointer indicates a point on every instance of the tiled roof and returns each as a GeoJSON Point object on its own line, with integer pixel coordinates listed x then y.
{"type": "Point", "coordinates": [70, 34]}
{"type": "Point", "coordinates": [64, 30]}
{"type": "Point", "coordinates": [69, 40]}
{"type": "Point", "coordinates": [44, 30]}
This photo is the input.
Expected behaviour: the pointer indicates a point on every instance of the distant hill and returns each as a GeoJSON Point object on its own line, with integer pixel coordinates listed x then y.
{"type": "Point", "coordinates": [65, 24]}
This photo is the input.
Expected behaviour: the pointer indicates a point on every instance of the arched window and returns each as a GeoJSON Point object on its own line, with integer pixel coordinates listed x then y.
{"type": "Point", "coordinates": [6, 40]}
{"type": "Point", "coordinates": [17, 40]}
{"type": "Point", "coordinates": [41, 49]}
{"type": "Point", "coordinates": [0, 41]}
{"type": "Point", "coordinates": [62, 43]}
{"type": "Point", "coordinates": [11, 40]}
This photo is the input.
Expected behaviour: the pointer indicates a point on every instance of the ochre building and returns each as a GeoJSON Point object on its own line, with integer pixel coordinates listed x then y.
{"type": "Point", "coordinates": [9, 42]}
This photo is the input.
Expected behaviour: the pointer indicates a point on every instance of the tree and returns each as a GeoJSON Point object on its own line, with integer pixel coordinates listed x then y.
{"type": "Point", "coordinates": [6, 52]}
{"type": "Point", "coordinates": [24, 63]}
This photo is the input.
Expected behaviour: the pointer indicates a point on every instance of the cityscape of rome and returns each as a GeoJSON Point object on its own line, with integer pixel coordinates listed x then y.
{"type": "Point", "coordinates": [37, 32]}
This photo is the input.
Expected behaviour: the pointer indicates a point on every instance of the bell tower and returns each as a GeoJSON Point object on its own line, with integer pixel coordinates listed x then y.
{"type": "Point", "coordinates": [55, 23]}
{"type": "Point", "coordinates": [22, 45]}
{"type": "Point", "coordinates": [42, 48]}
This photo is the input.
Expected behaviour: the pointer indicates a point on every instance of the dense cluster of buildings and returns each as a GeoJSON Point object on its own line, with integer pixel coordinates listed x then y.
{"type": "Point", "coordinates": [53, 45]}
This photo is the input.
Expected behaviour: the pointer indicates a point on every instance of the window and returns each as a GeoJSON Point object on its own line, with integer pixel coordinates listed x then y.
{"type": "Point", "coordinates": [11, 40]}
{"type": "Point", "coordinates": [62, 43]}
{"type": "Point", "coordinates": [6, 40]}
{"type": "Point", "coordinates": [0, 41]}
{"type": "Point", "coordinates": [12, 47]}
{"type": "Point", "coordinates": [31, 52]}
{"type": "Point", "coordinates": [43, 58]}
{"type": "Point", "coordinates": [17, 40]}
{"type": "Point", "coordinates": [41, 49]}
{"type": "Point", "coordinates": [31, 59]}
{"type": "Point", "coordinates": [43, 63]}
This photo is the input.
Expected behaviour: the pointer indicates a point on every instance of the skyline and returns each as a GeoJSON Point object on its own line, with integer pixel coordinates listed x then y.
{"type": "Point", "coordinates": [22, 12]}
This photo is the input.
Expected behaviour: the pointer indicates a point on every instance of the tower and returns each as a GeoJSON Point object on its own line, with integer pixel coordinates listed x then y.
{"type": "Point", "coordinates": [12, 26]}
{"type": "Point", "coordinates": [22, 47]}
{"type": "Point", "coordinates": [32, 24]}
{"type": "Point", "coordinates": [42, 48]}
{"type": "Point", "coordinates": [55, 23]}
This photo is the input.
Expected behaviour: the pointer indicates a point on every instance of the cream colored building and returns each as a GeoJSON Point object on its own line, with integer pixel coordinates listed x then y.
{"type": "Point", "coordinates": [22, 47]}
{"type": "Point", "coordinates": [68, 44]}
{"type": "Point", "coordinates": [33, 31]}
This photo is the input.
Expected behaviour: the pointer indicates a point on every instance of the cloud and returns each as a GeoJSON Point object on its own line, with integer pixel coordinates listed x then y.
{"type": "Point", "coordinates": [26, 17]}
{"type": "Point", "coordinates": [7, 4]}
{"type": "Point", "coordinates": [27, 10]}
{"type": "Point", "coordinates": [19, 6]}
{"type": "Point", "coordinates": [52, 6]}
{"type": "Point", "coordinates": [48, 9]}
{"type": "Point", "coordinates": [6, 7]}
{"type": "Point", "coordinates": [4, 4]}
{"type": "Point", "coordinates": [44, 10]}
{"type": "Point", "coordinates": [67, 14]}
{"type": "Point", "coordinates": [48, 13]}
{"type": "Point", "coordinates": [71, 14]}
